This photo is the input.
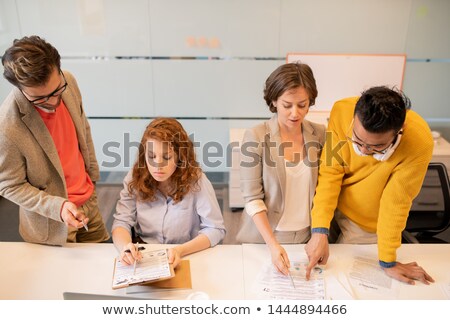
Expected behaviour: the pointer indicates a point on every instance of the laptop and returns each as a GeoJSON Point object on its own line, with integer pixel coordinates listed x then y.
{"type": "Point", "coordinates": [93, 296]}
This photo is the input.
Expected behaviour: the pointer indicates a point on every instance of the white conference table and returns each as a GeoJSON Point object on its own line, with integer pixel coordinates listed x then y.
{"type": "Point", "coordinates": [434, 258]}
{"type": "Point", "coordinates": [30, 271]}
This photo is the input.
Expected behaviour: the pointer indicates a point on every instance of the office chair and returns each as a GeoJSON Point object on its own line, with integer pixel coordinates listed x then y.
{"type": "Point", "coordinates": [430, 211]}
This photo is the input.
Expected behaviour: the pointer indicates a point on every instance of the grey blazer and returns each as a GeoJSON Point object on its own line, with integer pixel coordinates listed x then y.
{"type": "Point", "coordinates": [263, 175]}
{"type": "Point", "coordinates": [31, 174]}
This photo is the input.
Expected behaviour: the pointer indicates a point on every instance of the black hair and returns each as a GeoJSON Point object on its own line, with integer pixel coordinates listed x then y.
{"type": "Point", "coordinates": [381, 109]}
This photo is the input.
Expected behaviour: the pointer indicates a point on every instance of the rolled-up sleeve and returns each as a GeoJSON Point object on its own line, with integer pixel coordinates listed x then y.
{"type": "Point", "coordinates": [207, 207]}
{"type": "Point", "coordinates": [252, 186]}
{"type": "Point", "coordinates": [125, 215]}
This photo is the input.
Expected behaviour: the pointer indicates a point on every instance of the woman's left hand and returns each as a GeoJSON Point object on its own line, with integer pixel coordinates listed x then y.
{"type": "Point", "coordinates": [174, 256]}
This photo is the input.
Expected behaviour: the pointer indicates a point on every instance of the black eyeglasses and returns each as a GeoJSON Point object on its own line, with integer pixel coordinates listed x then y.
{"type": "Point", "coordinates": [369, 147]}
{"type": "Point", "coordinates": [56, 93]}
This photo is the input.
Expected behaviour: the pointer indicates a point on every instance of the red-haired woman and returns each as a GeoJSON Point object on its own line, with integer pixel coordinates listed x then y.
{"type": "Point", "coordinates": [166, 197]}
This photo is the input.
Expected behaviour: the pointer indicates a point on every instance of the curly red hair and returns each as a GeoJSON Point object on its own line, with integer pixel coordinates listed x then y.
{"type": "Point", "coordinates": [187, 173]}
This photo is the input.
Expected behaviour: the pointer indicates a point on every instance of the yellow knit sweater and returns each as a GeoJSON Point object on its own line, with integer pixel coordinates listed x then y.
{"type": "Point", "coordinates": [375, 195]}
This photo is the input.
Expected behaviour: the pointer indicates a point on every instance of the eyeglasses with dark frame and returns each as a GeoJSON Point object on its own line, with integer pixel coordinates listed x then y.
{"type": "Point", "coordinates": [369, 147]}
{"type": "Point", "coordinates": [56, 93]}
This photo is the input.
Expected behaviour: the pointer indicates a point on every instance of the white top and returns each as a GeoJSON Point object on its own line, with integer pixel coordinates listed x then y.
{"type": "Point", "coordinates": [296, 215]}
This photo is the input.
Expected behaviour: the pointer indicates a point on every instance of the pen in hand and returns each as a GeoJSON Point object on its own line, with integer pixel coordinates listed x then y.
{"type": "Point", "coordinates": [135, 260]}
{"type": "Point", "coordinates": [138, 249]}
{"type": "Point", "coordinates": [289, 272]}
{"type": "Point", "coordinates": [84, 225]}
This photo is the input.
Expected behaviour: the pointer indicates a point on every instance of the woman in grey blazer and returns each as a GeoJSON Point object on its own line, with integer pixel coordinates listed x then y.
{"type": "Point", "coordinates": [279, 164]}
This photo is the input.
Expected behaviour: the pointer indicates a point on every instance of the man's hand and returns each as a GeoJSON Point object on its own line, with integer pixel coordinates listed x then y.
{"type": "Point", "coordinates": [317, 250]}
{"type": "Point", "coordinates": [408, 273]}
{"type": "Point", "coordinates": [71, 216]}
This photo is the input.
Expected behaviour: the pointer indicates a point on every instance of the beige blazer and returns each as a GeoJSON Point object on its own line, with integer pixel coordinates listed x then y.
{"type": "Point", "coordinates": [30, 170]}
{"type": "Point", "coordinates": [263, 175]}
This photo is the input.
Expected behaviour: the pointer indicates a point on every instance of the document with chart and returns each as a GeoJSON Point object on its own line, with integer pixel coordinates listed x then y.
{"type": "Point", "coordinates": [154, 266]}
{"type": "Point", "coordinates": [271, 284]}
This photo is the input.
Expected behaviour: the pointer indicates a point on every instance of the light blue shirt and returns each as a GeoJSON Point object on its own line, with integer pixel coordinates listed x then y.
{"type": "Point", "coordinates": [163, 221]}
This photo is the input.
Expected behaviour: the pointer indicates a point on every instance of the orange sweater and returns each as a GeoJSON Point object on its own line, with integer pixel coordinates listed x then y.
{"type": "Point", "coordinates": [60, 126]}
{"type": "Point", "coordinates": [375, 195]}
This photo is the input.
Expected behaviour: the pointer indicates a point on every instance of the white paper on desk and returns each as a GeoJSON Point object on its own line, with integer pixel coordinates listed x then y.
{"type": "Point", "coordinates": [446, 288]}
{"type": "Point", "coordinates": [271, 284]}
{"type": "Point", "coordinates": [338, 288]}
{"type": "Point", "coordinates": [153, 265]}
{"type": "Point", "coordinates": [367, 277]}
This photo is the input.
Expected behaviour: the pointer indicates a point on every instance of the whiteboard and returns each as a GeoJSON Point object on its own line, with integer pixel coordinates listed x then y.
{"type": "Point", "coordinates": [340, 76]}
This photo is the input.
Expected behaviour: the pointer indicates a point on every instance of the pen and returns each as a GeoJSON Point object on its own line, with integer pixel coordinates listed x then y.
{"type": "Point", "coordinates": [84, 225]}
{"type": "Point", "coordinates": [289, 272]}
{"type": "Point", "coordinates": [139, 249]}
{"type": "Point", "coordinates": [135, 261]}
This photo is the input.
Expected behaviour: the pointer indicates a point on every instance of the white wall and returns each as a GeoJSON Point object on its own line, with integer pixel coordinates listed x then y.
{"type": "Point", "coordinates": [205, 61]}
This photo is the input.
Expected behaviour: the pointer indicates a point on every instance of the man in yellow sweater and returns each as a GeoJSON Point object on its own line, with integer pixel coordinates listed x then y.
{"type": "Point", "coordinates": [372, 167]}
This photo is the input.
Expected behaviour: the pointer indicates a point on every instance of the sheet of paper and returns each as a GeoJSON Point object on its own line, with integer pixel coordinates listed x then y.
{"type": "Point", "coordinates": [338, 288]}
{"type": "Point", "coordinates": [446, 288]}
{"type": "Point", "coordinates": [367, 278]}
{"type": "Point", "coordinates": [271, 284]}
{"type": "Point", "coordinates": [154, 265]}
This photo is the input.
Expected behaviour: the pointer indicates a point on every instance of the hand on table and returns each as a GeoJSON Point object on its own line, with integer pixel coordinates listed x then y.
{"type": "Point", "coordinates": [317, 250]}
{"type": "Point", "coordinates": [174, 256]}
{"type": "Point", "coordinates": [408, 273]}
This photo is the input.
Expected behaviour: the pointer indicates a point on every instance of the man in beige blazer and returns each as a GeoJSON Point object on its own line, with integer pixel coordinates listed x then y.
{"type": "Point", "coordinates": [47, 161]}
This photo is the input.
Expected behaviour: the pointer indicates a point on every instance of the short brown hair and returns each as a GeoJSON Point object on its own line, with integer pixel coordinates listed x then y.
{"type": "Point", "coordinates": [30, 61]}
{"type": "Point", "coordinates": [289, 76]}
{"type": "Point", "coordinates": [187, 173]}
